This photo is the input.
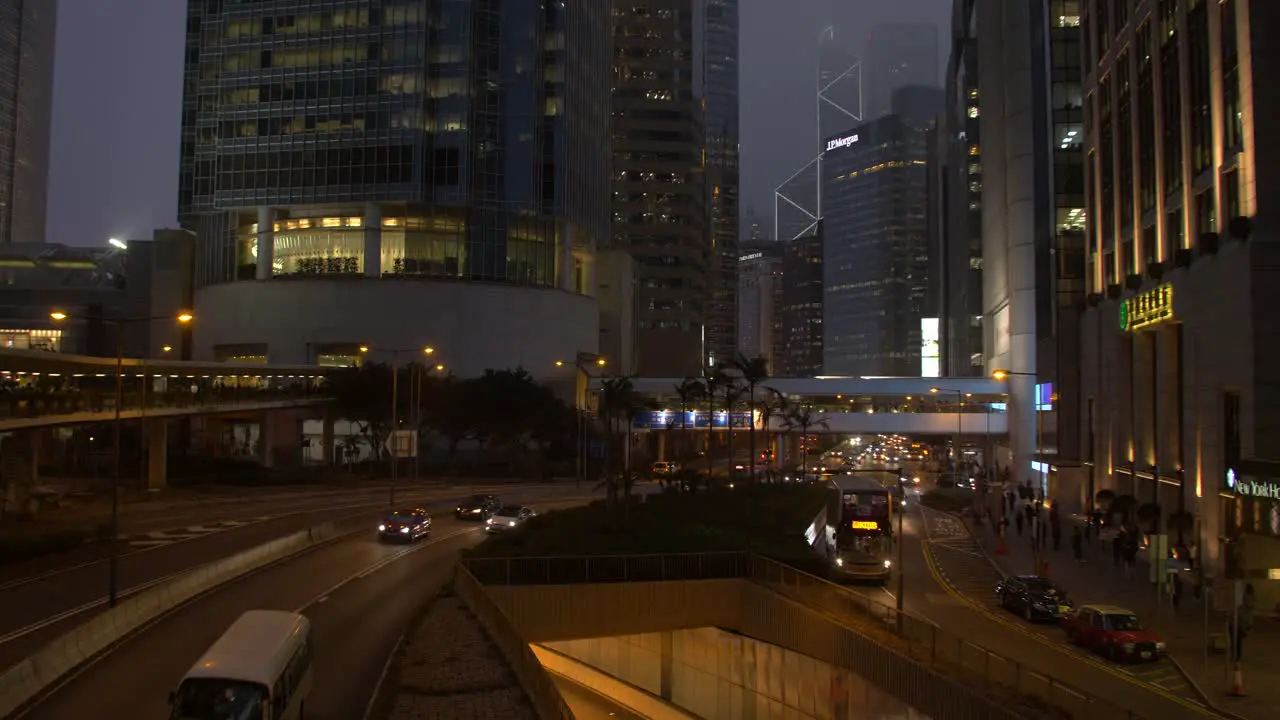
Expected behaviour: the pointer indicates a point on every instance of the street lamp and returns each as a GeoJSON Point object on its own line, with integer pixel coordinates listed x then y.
{"type": "Point", "coordinates": [960, 396]}
{"type": "Point", "coordinates": [395, 409]}
{"type": "Point", "coordinates": [183, 318]}
{"type": "Point", "coordinates": [580, 363]}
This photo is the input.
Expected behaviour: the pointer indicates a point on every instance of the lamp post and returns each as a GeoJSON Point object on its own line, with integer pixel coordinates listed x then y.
{"type": "Point", "coordinates": [580, 363]}
{"type": "Point", "coordinates": [395, 410]}
{"type": "Point", "coordinates": [960, 396]}
{"type": "Point", "coordinates": [113, 562]}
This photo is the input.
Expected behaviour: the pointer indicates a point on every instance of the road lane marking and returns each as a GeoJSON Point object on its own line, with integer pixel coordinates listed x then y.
{"type": "Point", "coordinates": [1068, 649]}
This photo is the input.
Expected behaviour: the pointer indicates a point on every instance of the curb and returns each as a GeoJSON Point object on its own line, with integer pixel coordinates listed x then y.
{"type": "Point", "coordinates": [35, 674]}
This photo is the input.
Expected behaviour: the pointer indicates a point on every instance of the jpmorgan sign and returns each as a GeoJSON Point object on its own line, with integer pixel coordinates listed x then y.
{"type": "Point", "coordinates": [838, 143]}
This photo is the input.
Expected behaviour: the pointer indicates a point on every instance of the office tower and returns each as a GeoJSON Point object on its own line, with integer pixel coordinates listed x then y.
{"type": "Point", "coordinates": [958, 262]}
{"type": "Point", "coordinates": [1180, 333]}
{"type": "Point", "coordinates": [759, 301]}
{"type": "Point", "coordinates": [875, 247]}
{"type": "Point", "coordinates": [797, 201]}
{"type": "Point", "coordinates": [1032, 184]}
{"type": "Point", "coordinates": [899, 55]}
{"type": "Point", "coordinates": [394, 175]}
{"type": "Point", "coordinates": [802, 305]}
{"type": "Point", "coordinates": [660, 190]}
{"type": "Point", "coordinates": [27, 32]}
{"type": "Point", "coordinates": [720, 88]}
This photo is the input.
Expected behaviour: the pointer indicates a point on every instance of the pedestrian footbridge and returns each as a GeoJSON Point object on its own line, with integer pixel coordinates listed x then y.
{"type": "Point", "coordinates": [969, 406]}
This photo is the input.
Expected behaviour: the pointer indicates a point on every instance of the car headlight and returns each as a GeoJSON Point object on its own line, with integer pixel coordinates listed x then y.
{"type": "Point", "coordinates": [477, 510]}
{"type": "Point", "coordinates": [382, 528]}
{"type": "Point", "coordinates": [1128, 647]}
{"type": "Point", "coordinates": [887, 563]}
{"type": "Point", "coordinates": [457, 509]}
{"type": "Point", "coordinates": [1160, 646]}
{"type": "Point", "coordinates": [511, 524]}
{"type": "Point", "coordinates": [489, 521]}
{"type": "Point", "coordinates": [404, 531]}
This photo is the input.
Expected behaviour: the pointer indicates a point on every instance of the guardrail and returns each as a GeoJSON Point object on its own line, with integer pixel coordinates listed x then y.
{"type": "Point", "coordinates": [533, 677]}
{"type": "Point", "coordinates": [24, 681]}
{"type": "Point", "coordinates": [928, 643]}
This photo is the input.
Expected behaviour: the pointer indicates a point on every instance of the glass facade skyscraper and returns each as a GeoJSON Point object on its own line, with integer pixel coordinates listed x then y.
{"type": "Point", "coordinates": [875, 236]}
{"type": "Point", "coordinates": [458, 139]}
{"type": "Point", "coordinates": [720, 88]}
{"type": "Point", "coordinates": [27, 32]}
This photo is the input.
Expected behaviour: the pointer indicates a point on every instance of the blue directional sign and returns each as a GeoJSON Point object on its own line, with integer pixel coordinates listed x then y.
{"type": "Point", "coordinates": [671, 420]}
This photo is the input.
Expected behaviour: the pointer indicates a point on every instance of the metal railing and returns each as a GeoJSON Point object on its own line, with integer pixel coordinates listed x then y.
{"type": "Point", "coordinates": [924, 641]}
{"type": "Point", "coordinates": [532, 676]}
{"type": "Point", "coordinates": [26, 405]}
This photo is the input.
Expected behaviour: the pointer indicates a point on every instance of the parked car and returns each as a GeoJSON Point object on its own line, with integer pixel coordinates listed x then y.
{"type": "Point", "coordinates": [477, 507]}
{"type": "Point", "coordinates": [508, 517]}
{"type": "Point", "coordinates": [405, 525]}
{"type": "Point", "coordinates": [1113, 632]}
{"type": "Point", "coordinates": [1034, 597]}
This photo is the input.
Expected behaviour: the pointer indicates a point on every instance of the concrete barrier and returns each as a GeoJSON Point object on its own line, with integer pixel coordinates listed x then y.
{"type": "Point", "coordinates": [23, 681]}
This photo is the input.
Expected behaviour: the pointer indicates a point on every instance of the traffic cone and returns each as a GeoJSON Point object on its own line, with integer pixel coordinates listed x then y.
{"type": "Point", "coordinates": [1237, 683]}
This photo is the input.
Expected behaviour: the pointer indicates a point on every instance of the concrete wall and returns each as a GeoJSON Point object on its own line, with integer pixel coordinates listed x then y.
{"type": "Point", "coordinates": [715, 674]}
{"type": "Point", "coordinates": [473, 326]}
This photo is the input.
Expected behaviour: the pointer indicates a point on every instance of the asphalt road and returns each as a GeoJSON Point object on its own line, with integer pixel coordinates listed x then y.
{"type": "Point", "coordinates": [948, 581]}
{"type": "Point", "coordinates": [360, 595]}
{"type": "Point", "coordinates": [38, 608]}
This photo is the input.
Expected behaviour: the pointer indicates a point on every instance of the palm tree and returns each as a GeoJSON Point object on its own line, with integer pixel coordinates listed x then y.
{"type": "Point", "coordinates": [619, 403]}
{"type": "Point", "coordinates": [689, 390]}
{"type": "Point", "coordinates": [802, 419]}
{"type": "Point", "coordinates": [774, 404]}
{"type": "Point", "coordinates": [731, 392]}
{"type": "Point", "coordinates": [753, 371]}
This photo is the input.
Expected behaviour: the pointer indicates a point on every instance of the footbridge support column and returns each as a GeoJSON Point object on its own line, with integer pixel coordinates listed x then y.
{"type": "Point", "coordinates": [157, 434]}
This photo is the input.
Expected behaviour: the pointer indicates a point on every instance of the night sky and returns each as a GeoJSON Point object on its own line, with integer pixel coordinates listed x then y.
{"type": "Point", "coordinates": [118, 89]}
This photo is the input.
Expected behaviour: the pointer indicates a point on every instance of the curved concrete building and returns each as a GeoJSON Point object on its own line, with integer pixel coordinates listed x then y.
{"type": "Point", "coordinates": [390, 177]}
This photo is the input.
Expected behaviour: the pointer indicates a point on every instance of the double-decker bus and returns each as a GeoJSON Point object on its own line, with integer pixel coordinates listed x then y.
{"type": "Point", "coordinates": [868, 506]}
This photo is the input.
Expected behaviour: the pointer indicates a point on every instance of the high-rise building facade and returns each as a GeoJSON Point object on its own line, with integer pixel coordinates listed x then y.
{"type": "Point", "coordinates": [802, 297]}
{"type": "Point", "coordinates": [899, 55]}
{"type": "Point", "coordinates": [660, 191]}
{"type": "Point", "coordinates": [1180, 337]}
{"type": "Point", "coordinates": [959, 152]}
{"type": "Point", "coordinates": [720, 88]}
{"type": "Point", "coordinates": [396, 174]}
{"type": "Point", "coordinates": [27, 38]}
{"type": "Point", "coordinates": [875, 247]}
{"type": "Point", "coordinates": [760, 302]}
{"type": "Point", "coordinates": [1032, 205]}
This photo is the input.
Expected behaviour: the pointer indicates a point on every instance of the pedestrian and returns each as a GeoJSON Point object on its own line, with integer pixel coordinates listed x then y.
{"type": "Point", "coordinates": [1175, 589]}
{"type": "Point", "coordinates": [1117, 548]}
{"type": "Point", "coordinates": [1077, 544]}
{"type": "Point", "coordinates": [1244, 620]}
{"type": "Point", "coordinates": [1018, 522]}
{"type": "Point", "coordinates": [1131, 552]}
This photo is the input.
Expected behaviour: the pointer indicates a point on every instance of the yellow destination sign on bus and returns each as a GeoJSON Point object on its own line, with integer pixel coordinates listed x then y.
{"type": "Point", "coordinates": [864, 525]}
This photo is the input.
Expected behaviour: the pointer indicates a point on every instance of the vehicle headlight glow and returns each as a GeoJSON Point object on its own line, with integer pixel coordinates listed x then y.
{"type": "Point", "coordinates": [404, 531]}
{"type": "Point", "coordinates": [489, 521]}
{"type": "Point", "coordinates": [477, 510]}
{"type": "Point", "coordinates": [511, 524]}
{"type": "Point", "coordinates": [839, 562]}
{"type": "Point", "coordinates": [382, 528]}
{"type": "Point", "coordinates": [887, 563]}
{"type": "Point", "coordinates": [1159, 646]}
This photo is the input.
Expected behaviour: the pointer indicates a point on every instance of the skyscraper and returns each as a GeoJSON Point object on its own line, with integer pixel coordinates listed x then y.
{"type": "Point", "coordinates": [397, 174]}
{"type": "Point", "coordinates": [898, 55]}
{"type": "Point", "coordinates": [660, 180]}
{"type": "Point", "coordinates": [802, 305]}
{"type": "Point", "coordinates": [720, 88]}
{"type": "Point", "coordinates": [759, 302]}
{"type": "Point", "coordinates": [875, 244]}
{"type": "Point", "coordinates": [27, 32]}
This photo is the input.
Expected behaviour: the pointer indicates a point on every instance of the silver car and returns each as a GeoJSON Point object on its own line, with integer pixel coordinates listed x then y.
{"type": "Point", "coordinates": [508, 517]}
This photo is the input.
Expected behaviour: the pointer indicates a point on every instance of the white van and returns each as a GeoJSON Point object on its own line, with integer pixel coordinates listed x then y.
{"type": "Point", "coordinates": [260, 669]}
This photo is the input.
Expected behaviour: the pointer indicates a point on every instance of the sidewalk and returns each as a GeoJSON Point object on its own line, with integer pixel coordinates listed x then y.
{"type": "Point", "coordinates": [1098, 579]}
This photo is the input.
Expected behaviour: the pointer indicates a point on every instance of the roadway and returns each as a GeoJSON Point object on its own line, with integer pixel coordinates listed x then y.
{"type": "Point", "coordinates": [361, 596]}
{"type": "Point", "coordinates": [49, 600]}
{"type": "Point", "coordinates": [949, 581]}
